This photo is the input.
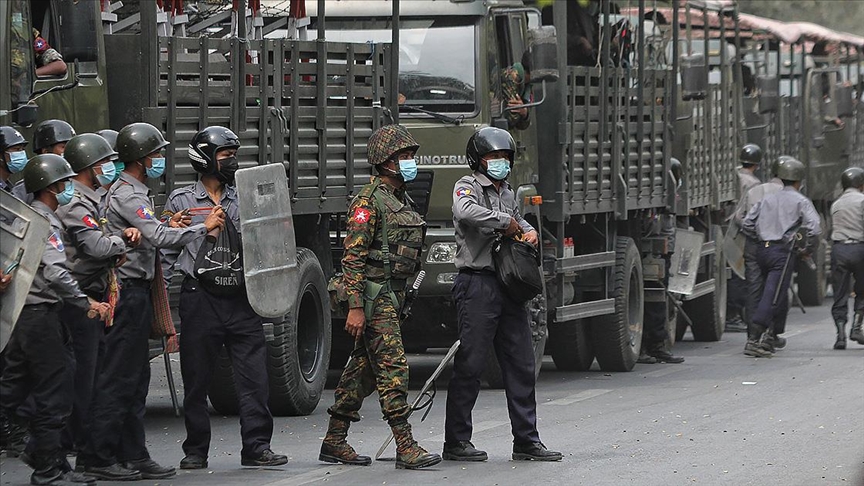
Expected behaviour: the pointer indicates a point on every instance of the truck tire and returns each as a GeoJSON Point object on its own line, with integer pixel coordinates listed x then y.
{"type": "Point", "coordinates": [617, 338]}
{"type": "Point", "coordinates": [708, 312]}
{"type": "Point", "coordinates": [570, 346]}
{"type": "Point", "coordinates": [223, 395]}
{"type": "Point", "coordinates": [539, 333]}
{"type": "Point", "coordinates": [298, 355]}
{"type": "Point", "coordinates": [812, 284]}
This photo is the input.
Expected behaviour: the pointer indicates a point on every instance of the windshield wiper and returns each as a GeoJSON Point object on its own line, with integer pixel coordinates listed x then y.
{"type": "Point", "coordinates": [438, 116]}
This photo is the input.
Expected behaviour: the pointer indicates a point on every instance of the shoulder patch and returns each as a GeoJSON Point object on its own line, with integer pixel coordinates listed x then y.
{"type": "Point", "coordinates": [361, 215]}
{"type": "Point", "coordinates": [463, 191]}
{"type": "Point", "coordinates": [144, 212]}
{"type": "Point", "coordinates": [56, 242]}
{"type": "Point", "coordinates": [90, 222]}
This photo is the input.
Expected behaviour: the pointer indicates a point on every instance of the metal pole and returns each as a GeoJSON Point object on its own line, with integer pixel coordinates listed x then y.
{"type": "Point", "coordinates": [321, 5]}
{"type": "Point", "coordinates": [394, 64]}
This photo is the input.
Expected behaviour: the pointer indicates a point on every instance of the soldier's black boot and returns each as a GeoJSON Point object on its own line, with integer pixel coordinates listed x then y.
{"type": "Point", "coordinates": [754, 345]}
{"type": "Point", "coordinates": [55, 471]}
{"type": "Point", "coordinates": [409, 455]}
{"type": "Point", "coordinates": [857, 333]}
{"type": "Point", "coordinates": [335, 448]}
{"type": "Point", "coordinates": [13, 435]}
{"type": "Point", "coordinates": [840, 343]}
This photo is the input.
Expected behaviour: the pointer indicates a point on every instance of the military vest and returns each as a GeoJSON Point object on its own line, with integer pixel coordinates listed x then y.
{"type": "Point", "coordinates": [405, 232]}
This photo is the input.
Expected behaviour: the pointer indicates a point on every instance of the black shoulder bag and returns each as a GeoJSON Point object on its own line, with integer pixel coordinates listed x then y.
{"type": "Point", "coordinates": [219, 263]}
{"type": "Point", "coordinates": [517, 265]}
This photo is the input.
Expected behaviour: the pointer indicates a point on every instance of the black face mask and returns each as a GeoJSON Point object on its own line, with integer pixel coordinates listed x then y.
{"type": "Point", "coordinates": [227, 168]}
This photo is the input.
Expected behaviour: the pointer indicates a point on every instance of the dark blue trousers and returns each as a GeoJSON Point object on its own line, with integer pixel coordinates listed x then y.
{"type": "Point", "coordinates": [771, 260]}
{"type": "Point", "coordinates": [208, 323]}
{"type": "Point", "coordinates": [86, 336]}
{"type": "Point", "coordinates": [755, 285]}
{"type": "Point", "coordinates": [847, 261]}
{"type": "Point", "coordinates": [122, 383]}
{"type": "Point", "coordinates": [488, 317]}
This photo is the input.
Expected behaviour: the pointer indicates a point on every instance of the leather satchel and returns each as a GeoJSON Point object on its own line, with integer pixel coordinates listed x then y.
{"type": "Point", "coordinates": [517, 266]}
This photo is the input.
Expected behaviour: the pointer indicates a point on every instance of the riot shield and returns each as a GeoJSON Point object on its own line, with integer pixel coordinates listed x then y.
{"type": "Point", "coordinates": [685, 261]}
{"type": "Point", "coordinates": [733, 248]}
{"type": "Point", "coordinates": [269, 248]}
{"type": "Point", "coordinates": [23, 232]}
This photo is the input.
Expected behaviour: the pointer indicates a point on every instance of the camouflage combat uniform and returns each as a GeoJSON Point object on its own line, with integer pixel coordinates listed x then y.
{"type": "Point", "coordinates": [378, 360]}
{"type": "Point", "coordinates": [512, 88]}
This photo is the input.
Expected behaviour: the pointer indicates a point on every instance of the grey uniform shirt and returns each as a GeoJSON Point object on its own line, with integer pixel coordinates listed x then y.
{"type": "Point", "coordinates": [194, 196]}
{"type": "Point", "coordinates": [127, 205]}
{"type": "Point", "coordinates": [746, 181]}
{"type": "Point", "coordinates": [53, 283]}
{"type": "Point", "coordinates": [778, 216]}
{"type": "Point", "coordinates": [89, 249]}
{"type": "Point", "coordinates": [847, 217]}
{"type": "Point", "coordinates": [476, 224]}
{"type": "Point", "coordinates": [21, 193]}
{"type": "Point", "coordinates": [754, 195]}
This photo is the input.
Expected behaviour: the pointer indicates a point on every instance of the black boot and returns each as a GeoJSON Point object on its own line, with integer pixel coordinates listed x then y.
{"type": "Point", "coordinates": [757, 345]}
{"type": "Point", "coordinates": [857, 334]}
{"type": "Point", "coordinates": [840, 343]}
{"type": "Point", "coordinates": [658, 352]}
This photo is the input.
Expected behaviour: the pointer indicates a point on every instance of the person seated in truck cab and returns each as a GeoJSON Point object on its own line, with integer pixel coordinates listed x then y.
{"type": "Point", "coordinates": [49, 62]}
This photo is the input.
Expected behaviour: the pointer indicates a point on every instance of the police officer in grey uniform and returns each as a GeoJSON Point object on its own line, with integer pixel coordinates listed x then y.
{"type": "Point", "coordinates": [774, 222]}
{"type": "Point", "coordinates": [116, 446]}
{"type": "Point", "coordinates": [847, 255]}
{"type": "Point", "coordinates": [91, 253]}
{"type": "Point", "coordinates": [484, 205]}
{"type": "Point", "coordinates": [752, 273]}
{"type": "Point", "coordinates": [750, 157]}
{"type": "Point", "coordinates": [211, 320]}
{"type": "Point", "coordinates": [111, 137]}
{"type": "Point", "coordinates": [36, 360]}
{"type": "Point", "coordinates": [12, 145]}
{"type": "Point", "coordinates": [51, 136]}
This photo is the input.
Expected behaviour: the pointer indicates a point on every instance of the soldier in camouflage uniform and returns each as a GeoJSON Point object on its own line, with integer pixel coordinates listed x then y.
{"type": "Point", "coordinates": [382, 250]}
{"type": "Point", "coordinates": [514, 83]}
{"type": "Point", "coordinates": [49, 62]}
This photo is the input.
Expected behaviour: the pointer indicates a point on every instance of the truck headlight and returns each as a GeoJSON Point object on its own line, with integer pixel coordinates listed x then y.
{"type": "Point", "coordinates": [441, 252]}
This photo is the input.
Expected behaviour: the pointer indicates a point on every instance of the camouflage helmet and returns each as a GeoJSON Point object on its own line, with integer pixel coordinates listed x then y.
{"type": "Point", "coordinates": [43, 170]}
{"type": "Point", "coordinates": [388, 140]}
{"type": "Point", "coordinates": [489, 139]}
{"type": "Point", "coordinates": [852, 177]}
{"type": "Point", "coordinates": [51, 132]}
{"type": "Point", "coordinates": [751, 154]}
{"type": "Point", "coordinates": [137, 140]}
{"type": "Point", "coordinates": [9, 137]}
{"type": "Point", "coordinates": [791, 169]}
{"type": "Point", "coordinates": [110, 135]}
{"type": "Point", "coordinates": [87, 149]}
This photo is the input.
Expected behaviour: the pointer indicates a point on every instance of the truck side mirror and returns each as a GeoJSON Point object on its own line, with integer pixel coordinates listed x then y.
{"type": "Point", "coordinates": [694, 77]}
{"type": "Point", "coordinates": [26, 115]}
{"type": "Point", "coordinates": [543, 49]}
{"type": "Point", "coordinates": [769, 94]}
{"type": "Point", "coordinates": [845, 104]}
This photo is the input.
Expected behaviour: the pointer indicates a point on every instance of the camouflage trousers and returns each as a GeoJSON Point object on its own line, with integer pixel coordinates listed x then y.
{"type": "Point", "coordinates": [377, 362]}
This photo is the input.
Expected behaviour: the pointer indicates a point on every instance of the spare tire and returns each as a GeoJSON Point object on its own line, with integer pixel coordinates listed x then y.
{"type": "Point", "coordinates": [569, 345]}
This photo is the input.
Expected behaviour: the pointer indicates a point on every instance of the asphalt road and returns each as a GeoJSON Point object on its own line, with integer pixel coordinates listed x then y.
{"type": "Point", "coordinates": [720, 418]}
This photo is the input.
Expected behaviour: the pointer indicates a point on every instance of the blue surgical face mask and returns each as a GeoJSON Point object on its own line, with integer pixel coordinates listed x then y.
{"type": "Point", "coordinates": [119, 167]}
{"type": "Point", "coordinates": [408, 169]}
{"type": "Point", "coordinates": [65, 197]}
{"type": "Point", "coordinates": [17, 161]}
{"type": "Point", "coordinates": [157, 169]}
{"type": "Point", "coordinates": [498, 169]}
{"type": "Point", "coordinates": [108, 175]}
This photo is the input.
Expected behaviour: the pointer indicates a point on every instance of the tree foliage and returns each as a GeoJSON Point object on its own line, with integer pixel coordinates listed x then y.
{"type": "Point", "coordinates": [843, 15]}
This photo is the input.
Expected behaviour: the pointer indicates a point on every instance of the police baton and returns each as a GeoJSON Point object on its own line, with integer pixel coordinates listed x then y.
{"type": "Point", "coordinates": [424, 393]}
{"type": "Point", "coordinates": [795, 238]}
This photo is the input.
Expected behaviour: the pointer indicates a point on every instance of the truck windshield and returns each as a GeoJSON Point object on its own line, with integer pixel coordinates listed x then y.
{"type": "Point", "coordinates": [436, 59]}
{"type": "Point", "coordinates": [20, 52]}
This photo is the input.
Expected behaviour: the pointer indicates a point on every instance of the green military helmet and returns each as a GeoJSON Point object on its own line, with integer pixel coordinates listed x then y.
{"type": "Point", "coordinates": [46, 169]}
{"type": "Point", "coordinates": [791, 169]}
{"type": "Point", "coordinates": [775, 165]}
{"type": "Point", "coordinates": [852, 177]}
{"type": "Point", "coordinates": [751, 154]}
{"type": "Point", "coordinates": [110, 135]}
{"type": "Point", "coordinates": [388, 140]}
{"type": "Point", "coordinates": [51, 132]}
{"type": "Point", "coordinates": [9, 137]}
{"type": "Point", "coordinates": [137, 140]}
{"type": "Point", "coordinates": [86, 150]}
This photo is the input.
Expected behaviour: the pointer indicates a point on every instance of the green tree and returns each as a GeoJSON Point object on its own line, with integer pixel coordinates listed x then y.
{"type": "Point", "coordinates": [842, 15]}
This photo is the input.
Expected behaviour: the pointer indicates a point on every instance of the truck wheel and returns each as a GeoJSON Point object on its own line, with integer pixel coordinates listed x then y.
{"type": "Point", "coordinates": [708, 312]}
{"type": "Point", "coordinates": [539, 333]}
{"type": "Point", "coordinates": [813, 283]}
{"type": "Point", "coordinates": [617, 338]}
{"type": "Point", "coordinates": [299, 354]}
{"type": "Point", "coordinates": [569, 346]}
{"type": "Point", "coordinates": [223, 395]}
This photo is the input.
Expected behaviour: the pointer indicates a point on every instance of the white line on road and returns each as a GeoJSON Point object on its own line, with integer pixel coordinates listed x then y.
{"type": "Point", "coordinates": [578, 397]}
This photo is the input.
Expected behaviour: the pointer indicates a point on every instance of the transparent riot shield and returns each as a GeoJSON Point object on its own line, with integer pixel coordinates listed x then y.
{"type": "Point", "coordinates": [685, 261]}
{"type": "Point", "coordinates": [733, 248]}
{"type": "Point", "coordinates": [23, 232]}
{"type": "Point", "coordinates": [269, 248]}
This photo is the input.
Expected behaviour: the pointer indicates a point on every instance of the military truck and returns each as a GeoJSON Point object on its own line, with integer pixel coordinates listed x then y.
{"type": "Point", "coordinates": [309, 105]}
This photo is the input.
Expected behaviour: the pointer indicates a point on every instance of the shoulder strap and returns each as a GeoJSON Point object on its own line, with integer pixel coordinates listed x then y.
{"type": "Point", "coordinates": [483, 191]}
{"type": "Point", "coordinates": [385, 247]}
